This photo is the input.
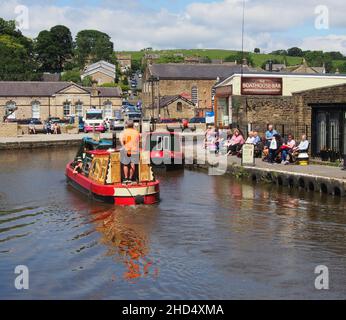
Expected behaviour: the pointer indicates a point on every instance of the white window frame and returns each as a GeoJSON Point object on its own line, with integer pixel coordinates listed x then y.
{"type": "Point", "coordinates": [11, 104]}
{"type": "Point", "coordinates": [79, 109]}
{"type": "Point", "coordinates": [194, 95]}
{"type": "Point", "coordinates": [35, 110]}
{"type": "Point", "coordinates": [69, 109]}
{"type": "Point", "coordinates": [108, 110]}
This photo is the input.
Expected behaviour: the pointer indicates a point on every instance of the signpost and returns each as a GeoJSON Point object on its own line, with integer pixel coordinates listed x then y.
{"type": "Point", "coordinates": [248, 155]}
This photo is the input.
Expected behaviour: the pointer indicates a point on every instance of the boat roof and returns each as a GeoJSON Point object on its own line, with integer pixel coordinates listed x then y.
{"type": "Point", "coordinates": [100, 152]}
{"type": "Point", "coordinates": [101, 142]}
{"type": "Point", "coordinates": [161, 133]}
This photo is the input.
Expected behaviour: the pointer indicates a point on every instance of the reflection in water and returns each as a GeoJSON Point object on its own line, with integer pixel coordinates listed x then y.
{"type": "Point", "coordinates": [128, 242]}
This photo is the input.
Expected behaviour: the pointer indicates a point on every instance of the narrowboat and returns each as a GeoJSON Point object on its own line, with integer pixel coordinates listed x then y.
{"type": "Point", "coordinates": [166, 149]}
{"type": "Point", "coordinates": [100, 176]}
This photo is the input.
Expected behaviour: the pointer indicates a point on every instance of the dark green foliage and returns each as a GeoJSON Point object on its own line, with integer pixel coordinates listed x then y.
{"type": "Point", "coordinates": [92, 46]}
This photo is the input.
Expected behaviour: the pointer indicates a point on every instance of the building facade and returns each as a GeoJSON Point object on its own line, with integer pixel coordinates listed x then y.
{"type": "Point", "coordinates": [101, 72]}
{"type": "Point", "coordinates": [125, 62]}
{"type": "Point", "coordinates": [172, 107]}
{"type": "Point", "coordinates": [293, 103]}
{"type": "Point", "coordinates": [195, 82]}
{"type": "Point", "coordinates": [55, 99]}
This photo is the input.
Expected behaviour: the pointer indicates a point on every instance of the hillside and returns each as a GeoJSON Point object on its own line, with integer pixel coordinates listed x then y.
{"type": "Point", "coordinates": [258, 59]}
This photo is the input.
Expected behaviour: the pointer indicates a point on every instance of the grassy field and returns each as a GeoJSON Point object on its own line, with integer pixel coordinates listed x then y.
{"type": "Point", "coordinates": [258, 59]}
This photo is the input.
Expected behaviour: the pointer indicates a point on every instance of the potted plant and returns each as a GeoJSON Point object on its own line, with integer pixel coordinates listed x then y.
{"type": "Point", "coordinates": [71, 129]}
{"type": "Point", "coordinates": [334, 155]}
{"type": "Point", "coordinates": [324, 154]}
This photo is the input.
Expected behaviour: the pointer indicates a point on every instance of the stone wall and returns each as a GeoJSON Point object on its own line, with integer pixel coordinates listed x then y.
{"type": "Point", "coordinates": [288, 114]}
{"type": "Point", "coordinates": [8, 129]}
{"type": "Point", "coordinates": [178, 87]}
{"type": "Point", "coordinates": [102, 78]}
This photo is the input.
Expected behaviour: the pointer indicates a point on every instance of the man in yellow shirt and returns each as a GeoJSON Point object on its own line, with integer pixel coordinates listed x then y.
{"type": "Point", "coordinates": [129, 140]}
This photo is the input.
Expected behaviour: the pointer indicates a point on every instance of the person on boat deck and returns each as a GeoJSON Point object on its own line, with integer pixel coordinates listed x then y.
{"type": "Point", "coordinates": [78, 167]}
{"type": "Point", "coordinates": [129, 140]}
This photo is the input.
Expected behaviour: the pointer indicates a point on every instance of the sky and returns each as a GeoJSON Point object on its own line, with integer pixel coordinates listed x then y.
{"type": "Point", "coordinates": [186, 24]}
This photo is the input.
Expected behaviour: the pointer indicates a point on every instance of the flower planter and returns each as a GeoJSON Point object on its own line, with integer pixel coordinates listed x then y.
{"type": "Point", "coordinates": [334, 156]}
{"type": "Point", "coordinates": [324, 154]}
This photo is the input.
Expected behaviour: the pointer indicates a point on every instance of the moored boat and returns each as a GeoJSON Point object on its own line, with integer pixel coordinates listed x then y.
{"type": "Point", "coordinates": [165, 149]}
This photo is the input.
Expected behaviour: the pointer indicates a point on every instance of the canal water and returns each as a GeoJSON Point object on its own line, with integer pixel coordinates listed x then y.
{"type": "Point", "coordinates": [209, 238]}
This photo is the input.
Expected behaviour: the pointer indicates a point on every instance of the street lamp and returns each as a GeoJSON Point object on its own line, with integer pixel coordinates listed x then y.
{"type": "Point", "coordinates": [153, 80]}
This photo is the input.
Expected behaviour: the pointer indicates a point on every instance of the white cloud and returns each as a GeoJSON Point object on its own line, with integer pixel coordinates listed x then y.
{"type": "Point", "coordinates": [269, 24]}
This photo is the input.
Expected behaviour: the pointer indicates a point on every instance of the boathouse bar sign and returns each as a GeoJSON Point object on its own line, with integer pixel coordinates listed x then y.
{"type": "Point", "coordinates": [261, 86]}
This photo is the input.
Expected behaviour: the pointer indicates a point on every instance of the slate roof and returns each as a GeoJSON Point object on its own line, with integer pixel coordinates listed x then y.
{"type": "Point", "coordinates": [167, 100]}
{"type": "Point", "coordinates": [45, 89]}
{"type": "Point", "coordinates": [176, 71]}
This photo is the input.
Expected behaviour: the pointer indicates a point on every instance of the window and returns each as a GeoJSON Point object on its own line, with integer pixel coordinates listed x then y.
{"type": "Point", "coordinates": [194, 95]}
{"type": "Point", "coordinates": [10, 106]}
{"type": "Point", "coordinates": [79, 109]}
{"type": "Point", "coordinates": [108, 111]}
{"type": "Point", "coordinates": [213, 93]}
{"type": "Point", "coordinates": [179, 107]}
{"type": "Point", "coordinates": [67, 109]}
{"type": "Point", "coordinates": [35, 110]}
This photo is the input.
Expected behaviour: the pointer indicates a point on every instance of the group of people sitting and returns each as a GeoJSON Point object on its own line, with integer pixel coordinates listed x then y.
{"type": "Point", "coordinates": [272, 148]}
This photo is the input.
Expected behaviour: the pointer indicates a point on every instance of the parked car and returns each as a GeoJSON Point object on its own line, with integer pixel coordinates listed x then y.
{"type": "Point", "coordinates": [98, 128]}
{"type": "Point", "coordinates": [118, 124]}
{"type": "Point", "coordinates": [197, 120]}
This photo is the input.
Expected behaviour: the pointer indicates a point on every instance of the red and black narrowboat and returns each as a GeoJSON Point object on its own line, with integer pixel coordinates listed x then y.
{"type": "Point", "coordinates": [100, 177]}
{"type": "Point", "coordinates": [166, 149]}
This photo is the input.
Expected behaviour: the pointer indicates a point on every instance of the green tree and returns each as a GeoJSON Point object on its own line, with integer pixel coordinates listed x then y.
{"type": "Point", "coordinates": [72, 75]}
{"type": "Point", "coordinates": [54, 48]}
{"type": "Point", "coordinates": [239, 56]}
{"type": "Point", "coordinates": [92, 46]}
{"type": "Point", "coordinates": [295, 52]}
{"type": "Point", "coordinates": [257, 50]}
{"type": "Point", "coordinates": [16, 54]}
{"type": "Point", "coordinates": [342, 68]}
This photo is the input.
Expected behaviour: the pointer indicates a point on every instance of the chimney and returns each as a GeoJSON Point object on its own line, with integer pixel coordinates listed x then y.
{"type": "Point", "coordinates": [94, 90]}
{"type": "Point", "coordinates": [271, 66]}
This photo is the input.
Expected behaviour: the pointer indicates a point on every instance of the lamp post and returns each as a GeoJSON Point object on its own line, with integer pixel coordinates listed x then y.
{"type": "Point", "coordinates": [153, 79]}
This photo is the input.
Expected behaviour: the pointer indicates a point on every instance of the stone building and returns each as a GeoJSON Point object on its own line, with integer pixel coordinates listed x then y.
{"type": "Point", "coordinates": [172, 107]}
{"type": "Point", "coordinates": [324, 111]}
{"type": "Point", "coordinates": [101, 72]}
{"type": "Point", "coordinates": [56, 99]}
{"type": "Point", "coordinates": [195, 82]}
{"type": "Point", "coordinates": [293, 103]}
{"type": "Point", "coordinates": [125, 62]}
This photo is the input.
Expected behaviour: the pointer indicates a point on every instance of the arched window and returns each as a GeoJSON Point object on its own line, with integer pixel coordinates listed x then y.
{"type": "Point", "coordinates": [179, 107]}
{"type": "Point", "coordinates": [213, 93]}
{"type": "Point", "coordinates": [79, 109]}
{"type": "Point", "coordinates": [194, 95]}
{"type": "Point", "coordinates": [35, 110]}
{"type": "Point", "coordinates": [108, 110]}
{"type": "Point", "coordinates": [67, 109]}
{"type": "Point", "coordinates": [10, 106]}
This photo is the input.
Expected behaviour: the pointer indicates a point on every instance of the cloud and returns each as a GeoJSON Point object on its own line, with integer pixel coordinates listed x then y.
{"type": "Point", "coordinates": [133, 24]}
